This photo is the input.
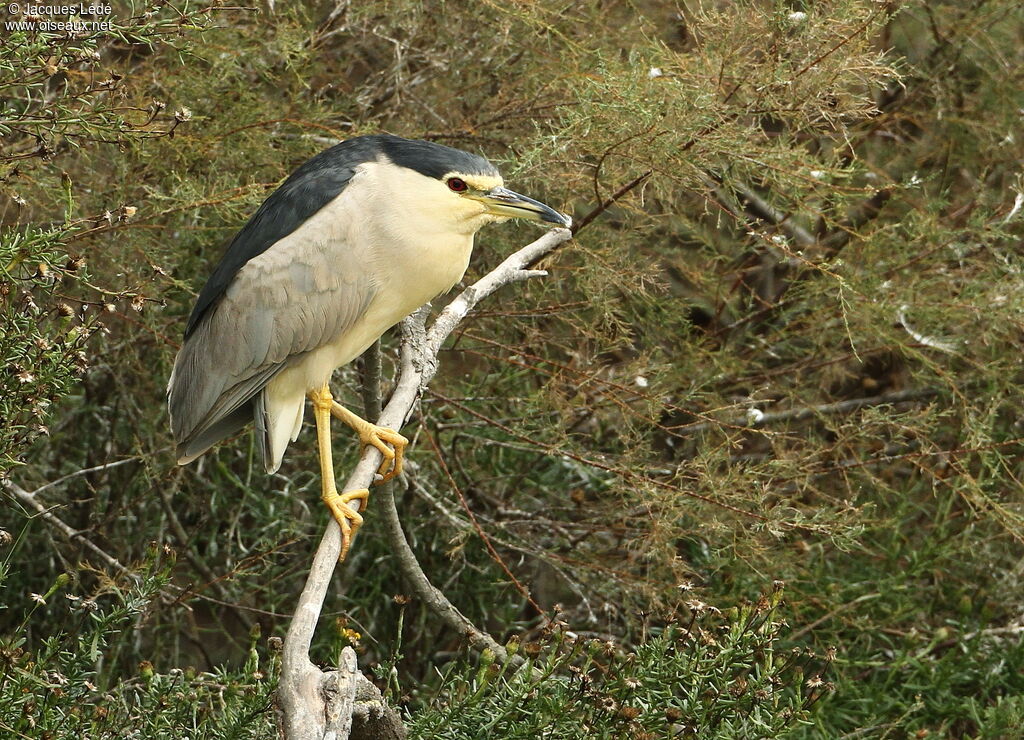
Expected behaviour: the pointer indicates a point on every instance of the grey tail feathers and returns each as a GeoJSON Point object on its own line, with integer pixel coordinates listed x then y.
{"type": "Point", "coordinates": [196, 445]}
{"type": "Point", "coordinates": [256, 410]}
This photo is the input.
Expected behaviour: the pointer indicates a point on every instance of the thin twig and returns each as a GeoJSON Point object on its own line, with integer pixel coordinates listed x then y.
{"type": "Point", "coordinates": [197, 560]}
{"type": "Point", "coordinates": [172, 593]}
{"type": "Point", "coordinates": [609, 202]}
{"type": "Point", "coordinates": [84, 471]}
{"type": "Point", "coordinates": [759, 207]}
{"type": "Point", "coordinates": [480, 530]}
{"type": "Point", "coordinates": [756, 420]}
{"type": "Point", "coordinates": [29, 498]}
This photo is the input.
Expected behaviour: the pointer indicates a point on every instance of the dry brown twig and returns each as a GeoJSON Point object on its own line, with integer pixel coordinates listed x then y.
{"type": "Point", "coordinates": [321, 704]}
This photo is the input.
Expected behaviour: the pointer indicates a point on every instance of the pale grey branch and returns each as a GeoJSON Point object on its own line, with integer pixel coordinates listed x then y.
{"type": "Point", "coordinates": [305, 705]}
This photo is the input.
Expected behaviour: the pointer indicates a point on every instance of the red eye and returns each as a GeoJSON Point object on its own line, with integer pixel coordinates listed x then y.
{"type": "Point", "coordinates": [457, 185]}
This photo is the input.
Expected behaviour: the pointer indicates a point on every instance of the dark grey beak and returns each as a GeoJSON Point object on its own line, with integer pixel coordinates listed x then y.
{"type": "Point", "coordinates": [507, 204]}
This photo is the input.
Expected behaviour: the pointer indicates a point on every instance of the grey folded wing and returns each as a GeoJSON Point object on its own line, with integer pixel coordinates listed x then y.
{"type": "Point", "coordinates": [295, 297]}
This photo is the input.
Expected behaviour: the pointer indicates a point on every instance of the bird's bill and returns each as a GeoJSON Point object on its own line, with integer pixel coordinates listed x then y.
{"type": "Point", "coordinates": [506, 204]}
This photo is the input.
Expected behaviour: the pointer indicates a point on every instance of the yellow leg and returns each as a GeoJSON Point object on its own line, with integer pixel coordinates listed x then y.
{"type": "Point", "coordinates": [379, 437]}
{"type": "Point", "coordinates": [348, 517]}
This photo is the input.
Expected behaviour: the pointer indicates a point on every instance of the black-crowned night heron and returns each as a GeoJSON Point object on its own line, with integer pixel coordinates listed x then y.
{"type": "Point", "coordinates": [356, 239]}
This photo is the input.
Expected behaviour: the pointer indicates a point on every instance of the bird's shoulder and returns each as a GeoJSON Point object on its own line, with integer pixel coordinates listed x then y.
{"type": "Point", "coordinates": [305, 192]}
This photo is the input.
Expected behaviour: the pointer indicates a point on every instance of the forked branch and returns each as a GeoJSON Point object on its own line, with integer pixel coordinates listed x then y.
{"type": "Point", "coordinates": [318, 704]}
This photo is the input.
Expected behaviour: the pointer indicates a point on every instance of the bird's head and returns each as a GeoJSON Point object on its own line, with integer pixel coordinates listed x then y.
{"type": "Point", "coordinates": [458, 188]}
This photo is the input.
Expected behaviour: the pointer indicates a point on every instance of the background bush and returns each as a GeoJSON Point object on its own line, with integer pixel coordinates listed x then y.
{"type": "Point", "coordinates": [790, 352]}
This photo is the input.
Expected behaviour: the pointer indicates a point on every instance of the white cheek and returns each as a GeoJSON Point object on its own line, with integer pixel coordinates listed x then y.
{"type": "Point", "coordinates": [472, 210]}
{"type": "Point", "coordinates": [415, 207]}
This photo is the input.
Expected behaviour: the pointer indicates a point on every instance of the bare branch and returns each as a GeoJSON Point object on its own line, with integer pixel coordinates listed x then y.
{"type": "Point", "coordinates": [760, 208]}
{"type": "Point", "coordinates": [29, 498]}
{"type": "Point", "coordinates": [754, 418]}
{"type": "Point", "coordinates": [84, 471]}
{"type": "Point", "coordinates": [609, 202]}
{"type": "Point", "coordinates": [304, 702]}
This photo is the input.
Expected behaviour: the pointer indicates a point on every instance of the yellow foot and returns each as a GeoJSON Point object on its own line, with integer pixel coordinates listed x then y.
{"type": "Point", "coordinates": [379, 437]}
{"type": "Point", "coordinates": [348, 517]}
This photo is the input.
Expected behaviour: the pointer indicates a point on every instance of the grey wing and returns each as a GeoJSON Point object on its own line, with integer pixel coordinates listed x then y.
{"type": "Point", "coordinates": [298, 295]}
{"type": "Point", "coordinates": [299, 198]}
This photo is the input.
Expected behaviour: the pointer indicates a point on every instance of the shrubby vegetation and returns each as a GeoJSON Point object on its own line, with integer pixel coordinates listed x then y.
{"type": "Point", "coordinates": [788, 349]}
{"type": "Point", "coordinates": [57, 686]}
{"type": "Point", "coordinates": [712, 678]}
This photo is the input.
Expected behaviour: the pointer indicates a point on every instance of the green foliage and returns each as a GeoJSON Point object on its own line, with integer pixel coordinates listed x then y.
{"type": "Point", "coordinates": [55, 93]}
{"type": "Point", "coordinates": [715, 676]}
{"type": "Point", "coordinates": [41, 347]}
{"type": "Point", "coordinates": [55, 686]}
{"type": "Point", "coordinates": [790, 351]}
{"type": "Point", "coordinates": [58, 94]}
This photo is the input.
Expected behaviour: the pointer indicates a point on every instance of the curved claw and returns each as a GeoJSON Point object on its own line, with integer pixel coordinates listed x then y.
{"type": "Point", "coordinates": [348, 518]}
{"type": "Point", "coordinates": [381, 437]}
{"type": "Point", "coordinates": [377, 436]}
